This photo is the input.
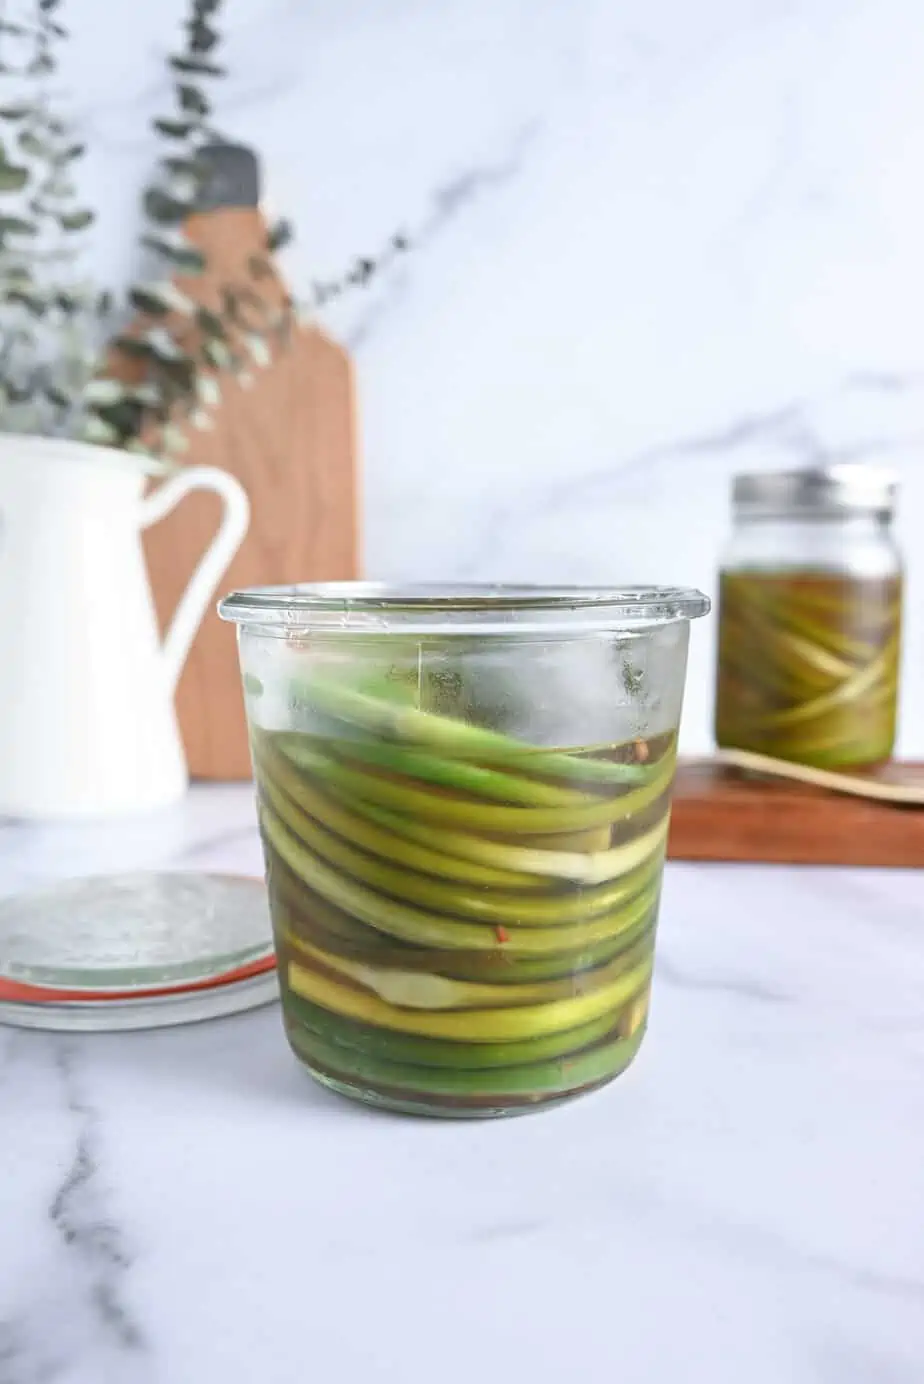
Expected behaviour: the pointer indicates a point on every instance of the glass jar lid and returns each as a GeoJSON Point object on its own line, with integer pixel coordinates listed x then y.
{"type": "Point", "coordinates": [135, 951]}
{"type": "Point", "coordinates": [820, 492]}
{"type": "Point", "coordinates": [375, 608]}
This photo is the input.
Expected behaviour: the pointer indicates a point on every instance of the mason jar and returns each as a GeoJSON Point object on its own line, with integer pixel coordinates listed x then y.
{"type": "Point", "coordinates": [810, 618]}
{"type": "Point", "coordinates": [463, 798]}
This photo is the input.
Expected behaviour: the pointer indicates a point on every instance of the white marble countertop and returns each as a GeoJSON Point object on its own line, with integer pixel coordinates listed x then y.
{"type": "Point", "coordinates": [747, 1204]}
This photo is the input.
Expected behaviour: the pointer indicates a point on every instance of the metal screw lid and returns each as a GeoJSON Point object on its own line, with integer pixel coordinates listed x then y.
{"type": "Point", "coordinates": [822, 492]}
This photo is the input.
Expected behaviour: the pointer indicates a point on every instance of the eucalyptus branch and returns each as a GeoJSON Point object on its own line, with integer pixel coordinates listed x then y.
{"type": "Point", "coordinates": [52, 323]}
{"type": "Point", "coordinates": [50, 319]}
{"type": "Point", "coordinates": [177, 351]}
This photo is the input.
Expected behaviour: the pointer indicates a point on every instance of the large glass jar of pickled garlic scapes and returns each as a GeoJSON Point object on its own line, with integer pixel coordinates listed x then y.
{"type": "Point", "coordinates": [463, 796]}
{"type": "Point", "coordinates": [810, 618]}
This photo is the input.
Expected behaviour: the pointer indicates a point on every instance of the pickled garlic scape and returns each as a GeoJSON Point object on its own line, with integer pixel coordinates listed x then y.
{"type": "Point", "coordinates": [808, 666]}
{"type": "Point", "coordinates": [463, 920]}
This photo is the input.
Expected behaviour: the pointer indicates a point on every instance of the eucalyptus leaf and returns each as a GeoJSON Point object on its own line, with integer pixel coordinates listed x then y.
{"type": "Point", "coordinates": [30, 143]}
{"type": "Point", "coordinates": [32, 302]}
{"type": "Point", "coordinates": [14, 112]}
{"type": "Point", "coordinates": [76, 220]}
{"type": "Point", "coordinates": [197, 67]}
{"type": "Point", "coordinates": [148, 394]}
{"type": "Point", "coordinates": [161, 298]}
{"type": "Point", "coordinates": [12, 178]}
{"type": "Point", "coordinates": [177, 299]}
{"type": "Point", "coordinates": [95, 429]}
{"type": "Point", "coordinates": [57, 186]}
{"type": "Point", "coordinates": [259, 350]}
{"type": "Point", "coordinates": [15, 275]}
{"type": "Point", "coordinates": [183, 188]}
{"type": "Point", "coordinates": [234, 303]}
{"type": "Point", "coordinates": [15, 225]}
{"type": "Point", "coordinates": [191, 99]}
{"type": "Point", "coordinates": [67, 303]}
{"type": "Point", "coordinates": [124, 415]}
{"type": "Point", "coordinates": [147, 302]}
{"type": "Point", "coordinates": [104, 391]}
{"type": "Point", "coordinates": [202, 38]}
{"type": "Point", "coordinates": [179, 375]}
{"type": "Point", "coordinates": [208, 391]}
{"type": "Point", "coordinates": [135, 347]}
{"type": "Point", "coordinates": [175, 129]}
{"type": "Point", "coordinates": [164, 346]}
{"type": "Point", "coordinates": [184, 257]}
{"type": "Point", "coordinates": [163, 209]}
{"type": "Point", "coordinates": [211, 323]}
{"type": "Point", "coordinates": [217, 353]}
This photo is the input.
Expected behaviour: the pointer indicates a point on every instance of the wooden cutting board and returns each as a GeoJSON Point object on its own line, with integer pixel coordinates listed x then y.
{"type": "Point", "coordinates": [720, 814]}
{"type": "Point", "coordinates": [289, 436]}
{"type": "Point", "coordinates": [289, 439]}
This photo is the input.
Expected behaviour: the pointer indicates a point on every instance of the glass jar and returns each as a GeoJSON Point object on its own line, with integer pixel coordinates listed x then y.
{"type": "Point", "coordinates": [463, 798]}
{"type": "Point", "coordinates": [810, 618]}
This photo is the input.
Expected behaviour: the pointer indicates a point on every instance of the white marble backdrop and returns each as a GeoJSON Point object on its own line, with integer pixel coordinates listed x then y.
{"type": "Point", "coordinates": [655, 242]}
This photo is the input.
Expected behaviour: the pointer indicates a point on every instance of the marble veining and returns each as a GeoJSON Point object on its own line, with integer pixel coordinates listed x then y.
{"type": "Point", "coordinates": [81, 1218]}
{"type": "Point", "coordinates": [77, 1311]}
{"type": "Point", "coordinates": [745, 1204]}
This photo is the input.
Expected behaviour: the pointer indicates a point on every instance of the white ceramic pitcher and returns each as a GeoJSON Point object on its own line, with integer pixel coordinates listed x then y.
{"type": "Point", "coordinates": [87, 725]}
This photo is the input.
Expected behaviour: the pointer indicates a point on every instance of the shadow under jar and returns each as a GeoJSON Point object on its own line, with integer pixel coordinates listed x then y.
{"type": "Point", "coordinates": [464, 797]}
{"type": "Point", "coordinates": [810, 618]}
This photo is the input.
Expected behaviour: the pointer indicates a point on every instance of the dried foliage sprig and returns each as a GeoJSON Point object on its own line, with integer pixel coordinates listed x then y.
{"type": "Point", "coordinates": [178, 347]}
{"type": "Point", "coordinates": [52, 320]}
{"type": "Point", "coordinates": [54, 375]}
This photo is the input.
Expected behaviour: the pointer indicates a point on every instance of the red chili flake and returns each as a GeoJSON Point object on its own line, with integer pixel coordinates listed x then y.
{"type": "Point", "coordinates": [501, 934]}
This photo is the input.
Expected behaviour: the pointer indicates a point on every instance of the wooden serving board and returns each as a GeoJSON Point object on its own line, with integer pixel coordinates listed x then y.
{"type": "Point", "coordinates": [288, 434]}
{"type": "Point", "coordinates": [722, 814]}
{"type": "Point", "coordinates": [289, 440]}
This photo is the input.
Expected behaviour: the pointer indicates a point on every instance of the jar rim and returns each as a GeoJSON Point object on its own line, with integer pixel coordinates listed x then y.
{"type": "Point", "coordinates": [459, 608]}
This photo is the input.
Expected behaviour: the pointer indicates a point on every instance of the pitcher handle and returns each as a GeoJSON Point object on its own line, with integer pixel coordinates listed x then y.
{"type": "Point", "coordinates": [214, 561]}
